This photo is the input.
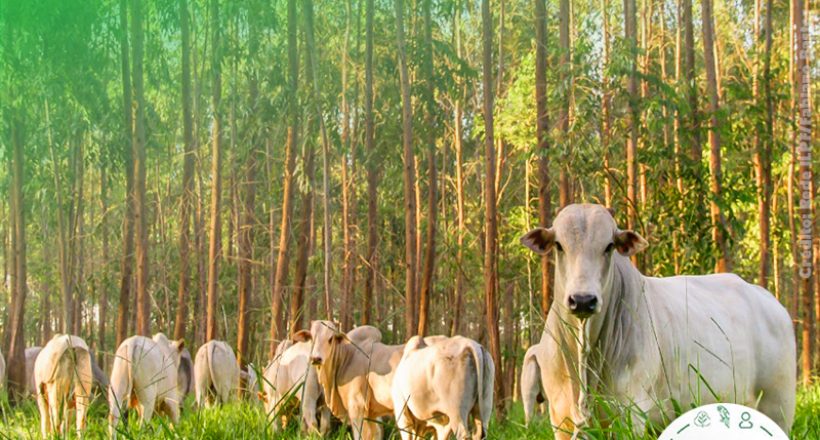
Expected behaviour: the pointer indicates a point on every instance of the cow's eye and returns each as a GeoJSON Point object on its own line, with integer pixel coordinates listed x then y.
{"type": "Point", "coordinates": [609, 248]}
{"type": "Point", "coordinates": [559, 247]}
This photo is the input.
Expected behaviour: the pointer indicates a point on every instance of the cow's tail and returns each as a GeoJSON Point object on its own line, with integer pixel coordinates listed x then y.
{"type": "Point", "coordinates": [478, 355]}
{"type": "Point", "coordinates": [530, 384]}
{"type": "Point", "coordinates": [210, 352]}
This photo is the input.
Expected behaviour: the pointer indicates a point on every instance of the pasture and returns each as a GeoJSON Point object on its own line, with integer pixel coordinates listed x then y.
{"type": "Point", "coordinates": [247, 421]}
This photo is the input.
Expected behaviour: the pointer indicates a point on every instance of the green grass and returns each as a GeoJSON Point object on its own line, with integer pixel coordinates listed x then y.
{"type": "Point", "coordinates": [247, 421]}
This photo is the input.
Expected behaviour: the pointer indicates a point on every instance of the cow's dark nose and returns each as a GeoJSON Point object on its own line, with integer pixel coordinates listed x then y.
{"type": "Point", "coordinates": [583, 304]}
{"type": "Point", "coordinates": [316, 360]}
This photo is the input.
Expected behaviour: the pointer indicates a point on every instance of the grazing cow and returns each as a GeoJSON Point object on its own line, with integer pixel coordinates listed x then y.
{"type": "Point", "coordinates": [99, 383]}
{"type": "Point", "coordinates": [440, 386]}
{"type": "Point", "coordinates": [216, 373]}
{"type": "Point", "coordinates": [251, 381]}
{"type": "Point", "coordinates": [144, 376]}
{"type": "Point", "coordinates": [185, 375]}
{"type": "Point", "coordinates": [290, 376]}
{"type": "Point", "coordinates": [654, 344]}
{"type": "Point", "coordinates": [356, 374]}
{"type": "Point", "coordinates": [532, 391]}
{"type": "Point", "coordinates": [62, 377]}
{"type": "Point", "coordinates": [2, 371]}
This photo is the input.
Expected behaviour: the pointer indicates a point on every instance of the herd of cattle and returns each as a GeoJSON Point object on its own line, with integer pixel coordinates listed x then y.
{"type": "Point", "coordinates": [437, 384]}
{"type": "Point", "coordinates": [653, 345]}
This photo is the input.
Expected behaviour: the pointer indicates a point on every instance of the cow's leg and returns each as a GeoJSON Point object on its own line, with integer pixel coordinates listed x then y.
{"type": "Point", "coordinates": [45, 413]}
{"type": "Point", "coordinates": [309, 416]}
{"type": "Point", "coordinates": [171, 410]}
{"type": "Point", "coordinates": [147, 398]}
{"type": "Point", "coordinates": [561, 419]}
{"type": "Point", "coordinates": [405, 423]}
{"type": "Point", "coordinates": [324, 421]}
{"type": "Point", "coordinates": [82, 393]}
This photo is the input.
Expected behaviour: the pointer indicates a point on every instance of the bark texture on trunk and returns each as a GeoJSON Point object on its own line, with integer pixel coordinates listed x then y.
{"type": "Point", "coordinates": [410, 263]}
{"type": "Point", "coordinates": [17, 343]}
{"type": "Point", "coordinates": [283, 261]}
{"type": "Point", "coordinates": [140, 196]}
{"type": "Point", "coordinates": [490, 273]}
{"type": "Point", "coordinates": [542, 128]}
{"type": "Point", "coordinates": [127, 267]}
{"type": "Point", "coordinates": [215, 229]}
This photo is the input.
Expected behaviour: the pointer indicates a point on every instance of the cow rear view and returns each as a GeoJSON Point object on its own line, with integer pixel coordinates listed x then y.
{"type": "Point", "coordinates": [63, 380]}
{"type": "Point", "coordinates": [216, 373]}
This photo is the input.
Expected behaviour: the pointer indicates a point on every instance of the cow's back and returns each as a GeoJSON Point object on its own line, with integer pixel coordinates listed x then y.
{"type": "Point", "coordinates": [733, 335]}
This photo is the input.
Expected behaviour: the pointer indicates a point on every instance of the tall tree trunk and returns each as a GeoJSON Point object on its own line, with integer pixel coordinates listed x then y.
{"type": "Point", "coordinates": [307, 5]}
{"type": "Point", "coordinates": [372, 171]}
{"type": "Point", "coordinates": [17, 359]}
{"type": "Point", "coordinates": [103, 300]}
{"type": "Point", "coordinates": [127, 267]}
{"type": "Point", "coordinates": [542, 126]}
{"type": "Point", "coordinates": [347, 230]}
{"type": "Point", "coordinates": [187, 197]}
{"type": "Point", "coordinates": [490, 273]}
{"type": "Point", "coordinates": [722, 263]}
{"type": "Point", "coordinates": [297, 311]}
{"type": "Point", "coordinates": [458, 140]}
{"type": "Point", "coordinates": [692, 128]}
{"type": "Point", "coordinates": [432, 184]}
{"type": "Point", "coordinates": [606, 123]}
{"type": "Point", "coordinates": [248, 222]}
{"type": "Point", "coordinates": [215, 230]}
{"type": "Point", "coordinates": [282, 263]}
{"type": "Point", "coordinates": [140, 200]}
{"type": "Point", "coordinates": [631, 29]}
{"type": "Point", "coordinates": [410, 263]}
{"type": "Point", "coordinates": [762, 157]}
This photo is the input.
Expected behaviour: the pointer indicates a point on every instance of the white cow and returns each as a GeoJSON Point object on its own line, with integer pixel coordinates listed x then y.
{"type": "Point", "coordinates": [290, 376]}
{"type": "Point", "coordinates": [216, 373]}
{"type": "Point", "coordinates": [532, 391]}
{"type": "Point", "coordinates": [144, 376]}
{"type": "Point", "coordinates": [62, 378]}
{"type": "Point", "coordinates": [442, 386]}
{"type": "Point", "coordinates": [653, 343]}
{"type": "Point", "coordinates": [99, 383]}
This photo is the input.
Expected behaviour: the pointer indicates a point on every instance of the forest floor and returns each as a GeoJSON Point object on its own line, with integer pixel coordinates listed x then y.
{"type": "Point", "coordinates": [247, 421]}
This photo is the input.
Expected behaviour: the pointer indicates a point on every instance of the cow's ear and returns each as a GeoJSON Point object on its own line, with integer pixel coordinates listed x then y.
{"type": "Point", "coordinates": [629, 243]}
{"type": "Point", "coordinates": [539, 240]}
{"type": "Point", "coordinates": [339, 337]}
{"type": "Point", "coordinates": [301, 336]}
{"type": "Point", "coordinates": [180, 345]}
{"type": "Point", "coordinates": [611, 212]}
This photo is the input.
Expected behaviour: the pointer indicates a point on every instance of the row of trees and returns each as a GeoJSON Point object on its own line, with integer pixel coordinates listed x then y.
{"type": "Point", "coordinates": [192, 126]}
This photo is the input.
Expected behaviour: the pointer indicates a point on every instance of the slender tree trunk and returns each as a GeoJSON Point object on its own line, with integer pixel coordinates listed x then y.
{"type": "Point", "coordinates": [140, 200]}
{"type": "Point", "coordinates": [282, 263]}
{"type": "Point", "coordinates": [17, 359]}
{"type": "Point", "coordinates": [410, 263]}
{"type": "Point", "coordinates": [606, 123]}
{"type": "Point", "coordinates": [297, 310]}
{"type": "Point", "coordinates": [307, 5]}
{"type": "Point", "coordinates": [692, 128]}
{"type": "Point", "coordinates": [128, 226]}
{"type": "Point", "coordinates": [103, 300]}
{"type": "Point", "coordinates": [186, 199]}
{"type": "Point", "coordinates": [542, 126]}
{"type": "Point", "coordinates": [490, 274]}
{"type": "Point", "coordinates": [630, 27]}
{"type": "Point", "coordinates": [432, 196]}
{"type": "Point", "coordinates": [347, 282]}
{"type": "Point", "coordinates": [564, 61]}
{"type": "Point", "coordinates": [762, 157]}
{"type": "Point", "coordinates": [722, 263]}
{"type": "Point", "coordinates": [458, 141]}
{"type": "Point", "coordinates": [372, 171]}
{"type": "Point", "coordinates": [215, 230]}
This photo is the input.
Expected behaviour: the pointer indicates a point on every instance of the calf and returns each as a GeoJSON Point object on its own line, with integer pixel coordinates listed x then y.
{"type": "Point", "coordinates": [441, 386]}
{"type": "Point", "coordinates": [62, 378]}
{"type": "Point", "coordinates": [216, 373]}
{"type": "Point", "coordinates": [144, 376]}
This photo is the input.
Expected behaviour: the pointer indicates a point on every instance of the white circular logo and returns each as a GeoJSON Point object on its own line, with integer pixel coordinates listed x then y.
{"type": "Point", "coordinates": [723, 421]}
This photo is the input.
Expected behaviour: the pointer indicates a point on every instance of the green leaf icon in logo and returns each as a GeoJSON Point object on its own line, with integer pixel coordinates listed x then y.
{"type": "Point", "coordinates": [702, 420]}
